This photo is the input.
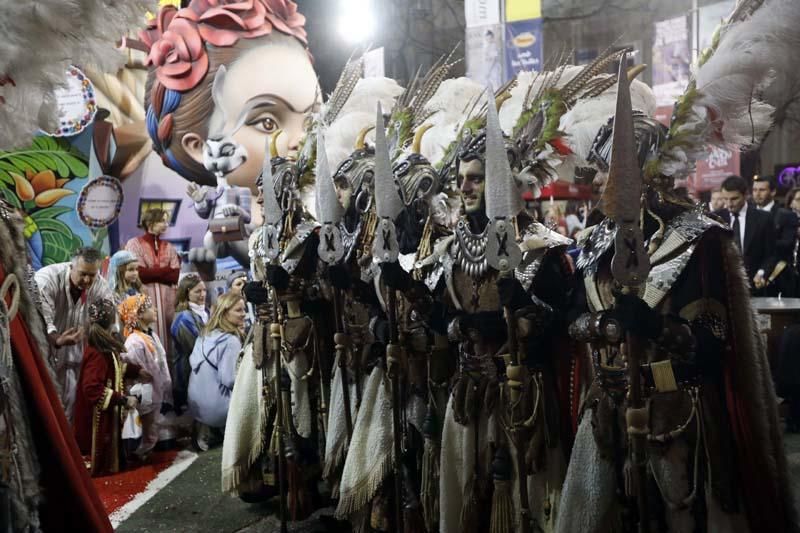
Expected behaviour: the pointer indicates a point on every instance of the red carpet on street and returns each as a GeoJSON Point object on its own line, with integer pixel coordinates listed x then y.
{"type": "Point", "coordinates": [118, 489]}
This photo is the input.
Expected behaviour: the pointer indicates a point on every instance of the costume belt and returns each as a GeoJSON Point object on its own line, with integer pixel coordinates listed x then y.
{"type": "Point", "coordinates": [661, 376]}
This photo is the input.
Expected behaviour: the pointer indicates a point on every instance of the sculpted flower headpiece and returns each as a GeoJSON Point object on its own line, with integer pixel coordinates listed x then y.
{"type": "Point", "coordinates": [177, 38]}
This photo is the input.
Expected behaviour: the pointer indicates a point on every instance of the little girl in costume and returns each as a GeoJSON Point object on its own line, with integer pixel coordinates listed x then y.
{"type": "Point", "coordinates": [123, 275]}
{"type": "Point", "coordinates": [100, 394]}
{"type": "Point", "coordinates": [144, 348]}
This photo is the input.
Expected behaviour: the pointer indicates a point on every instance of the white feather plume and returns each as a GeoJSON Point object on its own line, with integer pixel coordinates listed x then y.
{"type": "Point", "coordinates": [529, 83]}
{"type": "Point", "coordinates": [729, 108]}
{"type": "Point", "coordinates": [588, 115]}
{"type": "Point", "coordinates": [449, 107]}
{"type": "Point", "coordinates": [368, 92]}
{"type": "Point", "coordinates": [40, 40]}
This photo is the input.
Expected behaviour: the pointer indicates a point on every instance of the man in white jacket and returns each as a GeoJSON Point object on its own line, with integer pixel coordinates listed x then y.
{"type": "Point", "coordinates": [68, 289]}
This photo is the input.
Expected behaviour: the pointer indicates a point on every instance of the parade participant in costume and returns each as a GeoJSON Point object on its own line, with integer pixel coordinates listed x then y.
{"type": "Point", "coordinates": [478, 439]}
{"type": "Point", "coordinates": [191, 315]}
{"type": "Point", "coordinates": [159, 268]}
{"type": "Point", "coordinates": [365, 491]}
{"type": "Point", "coordinates": [677, 353]}
{"type": "Point", "coordinates": [254, 40]}
{"type": "Point", "coordinates": [35, 436]}
{"type": "Point", "coordinates": [68, 289]}
{"type": "Point", "coordinates": [143, 348]}
{"type": "Point", "coordinates": [123, 275]}
{"type": "Point", "coordinates": [213, 367]}
{"type": "Point", "coordinates": [101, 393]}
{"type": "Point", "coordinates": [424, 219]}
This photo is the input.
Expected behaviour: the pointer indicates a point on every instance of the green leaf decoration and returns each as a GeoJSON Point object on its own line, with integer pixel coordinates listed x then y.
{"type": "Point", "coordinates": [45, 153]}
{"type": "Point", "coordinates": [10, 197]}
{"type": "Point", "coordinates": [49, 224]}
{"type": "Point", "coordinates": [58, 247]}
{"type": "Point", "coordinates": [50, 212]}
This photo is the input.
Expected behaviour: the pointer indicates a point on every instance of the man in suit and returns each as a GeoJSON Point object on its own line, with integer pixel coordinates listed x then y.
{"type": "Point", "coordinates": [782, 279]}
{"type": "Point", "coordinates": [753, 231]}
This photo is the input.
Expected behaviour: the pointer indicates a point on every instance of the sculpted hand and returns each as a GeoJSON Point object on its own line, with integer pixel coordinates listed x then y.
{"type": "Point", "coordinates": [759, 281]}
{"type": "Point", "coordinates": [131, 402]}
{"type": "Point", "coordinates": [196, 192]}
{"type": "Point", "coordinates": [231, 210]}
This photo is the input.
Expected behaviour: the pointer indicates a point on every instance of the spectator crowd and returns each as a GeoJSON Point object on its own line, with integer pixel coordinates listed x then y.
{"type": "Point", "coordinates": [144, 359]}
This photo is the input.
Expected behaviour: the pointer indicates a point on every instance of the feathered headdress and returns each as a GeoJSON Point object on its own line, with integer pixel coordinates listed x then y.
{"type": "Point", "coordinates": [40, 41]}
{"type": "Point", "coordinates": [723, 104]}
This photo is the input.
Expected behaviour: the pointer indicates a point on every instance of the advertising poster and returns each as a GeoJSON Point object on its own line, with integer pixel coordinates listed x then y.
{"type": "Point", "coordinates": [523, 10]}
{"type": "Point", "coordinates": [484, 50]}
{"type": "Point", "coordinates": [671, 59]}
{"type": "Point", "coordinates": [481, 12]}
{"type": "Point", "coordinates": [712, 171]}
{"type": "Point", "coordinates": [523, 46]}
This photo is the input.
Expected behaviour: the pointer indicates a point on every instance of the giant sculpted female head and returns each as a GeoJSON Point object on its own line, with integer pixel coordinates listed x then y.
{"type": "Point", "coordinates": [270, 83]}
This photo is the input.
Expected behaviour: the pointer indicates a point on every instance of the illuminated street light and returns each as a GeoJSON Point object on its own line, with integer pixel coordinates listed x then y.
{"type": "Point", "coordinates": [356, 20]}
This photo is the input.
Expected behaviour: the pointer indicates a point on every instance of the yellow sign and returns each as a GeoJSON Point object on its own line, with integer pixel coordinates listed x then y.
{"type": "Point", "coordinates": [523, 10]}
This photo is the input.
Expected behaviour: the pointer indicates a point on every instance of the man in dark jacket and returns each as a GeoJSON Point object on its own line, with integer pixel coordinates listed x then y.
{"type": "Point", "coordinates": [753, 231]}
{"type": "Point", "coordinates": [783, 277]}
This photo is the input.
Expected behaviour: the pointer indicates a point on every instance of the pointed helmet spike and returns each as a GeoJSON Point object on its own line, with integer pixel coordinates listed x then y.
{"type": "Point", "coordinates": [502, 196]}
{"type": "Point", "coordinates": [387, 200]}
{"type": "Point", "coordinates": [273, 145]}
{"type": "Point", "coordinates": [621, 197]}
{"type": "Point", "coordinates": [329, 210]}
{"type": "Point", "coordinates": [416, 147]}
{"type": "Point", "coordinates": [362, 135]}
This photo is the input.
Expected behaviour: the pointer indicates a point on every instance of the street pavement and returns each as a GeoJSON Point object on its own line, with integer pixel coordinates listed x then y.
{"type": "Point", "coordinates": [192, 502]}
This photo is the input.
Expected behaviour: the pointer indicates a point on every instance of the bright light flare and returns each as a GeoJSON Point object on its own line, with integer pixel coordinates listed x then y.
{"type": "Point", "coordinates": [356, 21]}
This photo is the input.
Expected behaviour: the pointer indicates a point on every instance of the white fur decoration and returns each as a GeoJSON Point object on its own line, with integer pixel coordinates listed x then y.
{"type": "Point", "coordinates": [40, 40]}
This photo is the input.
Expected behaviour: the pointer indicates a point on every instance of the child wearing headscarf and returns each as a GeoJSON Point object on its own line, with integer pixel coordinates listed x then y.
{"type": "Point", "coordinates": [123, 275]}
{"type": "Point", "coordinates": [100, 395]}
{"type": "Point", "coordinates": [144, 348]}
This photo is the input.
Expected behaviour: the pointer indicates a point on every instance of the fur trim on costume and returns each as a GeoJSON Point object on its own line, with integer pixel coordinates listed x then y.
{"type": "Point", "coordinates": [752, 405]}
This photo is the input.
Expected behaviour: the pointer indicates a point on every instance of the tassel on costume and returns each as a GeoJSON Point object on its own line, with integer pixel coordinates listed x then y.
{"type": "Point", "coordinates": [413, 521]}
{"type": "Point", "coordinates": [502, 520]}
{"type": "Point", "coordinates": [430, 472]}
{"type": "Point", "coordinates": [470, 507]}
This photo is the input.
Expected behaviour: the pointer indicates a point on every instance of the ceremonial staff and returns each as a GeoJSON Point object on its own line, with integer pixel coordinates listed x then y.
{"type": "Point", "coordinates": [385, 249]}
{"type": "Point", "coordinates": [503, 202]}
{"type": "Point", "coordinates": [621, 202]}
{"type": "Point", "coordinates": [270, 250]}
{"type": "Point", "coordinates": [330, 251]}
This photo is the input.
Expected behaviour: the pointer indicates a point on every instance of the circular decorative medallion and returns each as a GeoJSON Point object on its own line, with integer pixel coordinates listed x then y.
{"type": "Point", "coordinates": [76, 104]}
{"type": "Point", "coordinates": [100, 202]}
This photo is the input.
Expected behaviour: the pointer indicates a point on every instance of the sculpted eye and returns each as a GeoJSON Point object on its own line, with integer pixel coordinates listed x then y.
{"type": "Point", "coordinates": [268, 124]}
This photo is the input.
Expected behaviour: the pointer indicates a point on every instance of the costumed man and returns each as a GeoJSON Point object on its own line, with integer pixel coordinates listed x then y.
{"type": "Point", "coordinates": [68, 289]}
{"type": "Point", "coordinates": [283, 255]}
{"type": "Point", "coordinates": [476, 442]}
{"type": "Point", "coordinates": [505, 281]}
{"type": "Point", "coordinates": [679, 430]}
{"type": "Point", "coordinates": [365, 493]}
{"type": "Point", "coordinates": [420, 178]}
{"type": "Point", "coordinates": [44, 485]}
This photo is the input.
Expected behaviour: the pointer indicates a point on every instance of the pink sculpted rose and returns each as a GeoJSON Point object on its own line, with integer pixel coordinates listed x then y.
{"type": "Point", "coordinates": [179, 55]}
{"type": "Point", "coordinates": [177, 37]}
